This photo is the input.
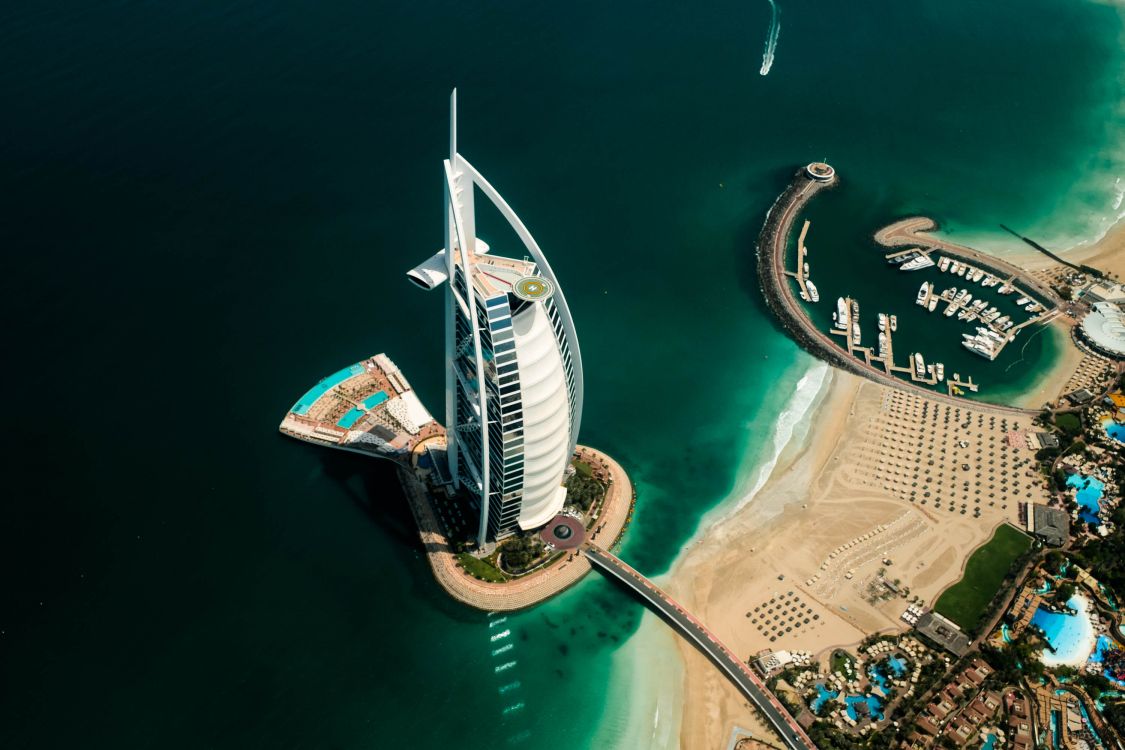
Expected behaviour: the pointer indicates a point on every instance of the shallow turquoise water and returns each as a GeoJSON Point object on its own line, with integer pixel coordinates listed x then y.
{"type": "Point", "coordinates": [225, 198]}
{"type": "Point", "coordinates": [1068, 634]}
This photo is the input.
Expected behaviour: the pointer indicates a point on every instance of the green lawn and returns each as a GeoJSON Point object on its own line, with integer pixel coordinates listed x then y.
{"type": "Point", "coordinates": [480, 568]}
{"type": "Point", "coordinates": [966, 600]}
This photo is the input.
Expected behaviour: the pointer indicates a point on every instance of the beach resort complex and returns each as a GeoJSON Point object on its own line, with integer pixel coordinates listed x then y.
{"type": "Point", "coordinates": [935, 569]}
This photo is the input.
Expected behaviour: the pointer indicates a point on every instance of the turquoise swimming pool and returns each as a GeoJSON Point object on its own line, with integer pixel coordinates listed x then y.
{"type": "Point", "coordinates": [350, 418]}
{"type": "Point", "coordinates": [1115, 430]}
{"type": "Point", "coordinates": [823, 696]}
{"type": "Point", "coordinates": [302, 407]}
{"type": "Point", "coordinates": [1071, 635]}
{"type": "Point", "coordinates": [1089, 496]}
{"type": "Point", "coordinates": [874, 707]}
{"type": "Point", "coordinates": [372, 401]}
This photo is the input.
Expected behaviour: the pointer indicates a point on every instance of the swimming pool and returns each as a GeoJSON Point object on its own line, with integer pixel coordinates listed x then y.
{"type": "Point", "coordinates": [881, 674]}
{"type": "Point", "coordinates": [1071, 636]}
{"type": "Point", "coordinates": [1115, 430]}
{"type": "Point", "coordinates": [989, 742]}
{"type": "Point", "coordinates": [873, 703]}
{"type": "Point", "coordinates": [1089, 496]}
{"type": "Point", "coordinates": [1104, 645]}
{"type": "Point", "coordinates": [350, 418]}
{"type": "Point", "coordinates": [897, 665]}
{"type": "Point", "coordinates": [823, 696]}
{"type": "Point", "coordinates": [302, 407]}
{"type": "Point", "coordinates": [372, 401]}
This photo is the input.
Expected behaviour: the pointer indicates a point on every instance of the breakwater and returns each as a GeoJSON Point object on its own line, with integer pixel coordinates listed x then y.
{"type": "Point", "coordinates": [770, 251]}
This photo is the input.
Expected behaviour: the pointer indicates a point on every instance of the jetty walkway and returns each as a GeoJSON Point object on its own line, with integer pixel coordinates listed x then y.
{"type": "Point", "coordinates": [916, 230]}
{"type": "Point", "coordinates": [773, 280]}
{"type": "Point", "coordinates": [684, 623]}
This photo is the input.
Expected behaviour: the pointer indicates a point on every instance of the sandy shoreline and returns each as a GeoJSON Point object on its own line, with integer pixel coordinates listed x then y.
{"type": "Point", "coordinates": [859, 472]}
{"type": "Point", "coordinates": [1106, 254]}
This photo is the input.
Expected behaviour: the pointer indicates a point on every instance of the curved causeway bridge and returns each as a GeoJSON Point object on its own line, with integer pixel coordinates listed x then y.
{"type": "Point", "coordinates": [748, 683]}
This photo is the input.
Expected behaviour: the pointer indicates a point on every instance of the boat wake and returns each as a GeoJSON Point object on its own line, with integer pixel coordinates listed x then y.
{"type": "Point", "coordinates": [771, 39]}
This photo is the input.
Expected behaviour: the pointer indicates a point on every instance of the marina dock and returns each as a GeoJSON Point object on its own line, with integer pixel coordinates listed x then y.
{"type": "Point", "coordinates": [800, 274]}
{"type": "Point", "coordinates": [851, 356]}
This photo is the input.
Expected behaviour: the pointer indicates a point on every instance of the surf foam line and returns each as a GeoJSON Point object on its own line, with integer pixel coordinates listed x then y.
{"type": "Point", "coordinates": [771, 39]}
{"type": "Point", "coordinates": [796, 411]}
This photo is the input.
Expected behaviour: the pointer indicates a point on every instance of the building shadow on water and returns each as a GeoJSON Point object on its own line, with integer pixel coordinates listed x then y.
{"type": "Point", "coordinates": [372, 484]}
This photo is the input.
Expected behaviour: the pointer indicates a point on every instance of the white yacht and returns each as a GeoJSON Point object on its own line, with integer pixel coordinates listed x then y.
{"type": "Point", "coordinates": [976, 275]}
{"type": "Point", "coordinates": [918, 263]}
{"type": "Point", "coordinates": [955, 267]}
{"type": "Point", "coordinates": [855, 334]}
{"type": "Point", "coordinates": [943, 264]}
{"type": "Point", "coordinates": [814, 295]}
{"type": "Point", "coordinates": [894, 323]}
{"type": "Point", "coordinates": [882, 344]}
{"type": "Point", "coordinates": [1006, 289]}
{"type": "Point", "coordinates": [1022, 301]}
{"type": "Point", "coordinates": [980, 346]}
{"type": "Point", "coordinates": [919, 365]}
{"type": "Point", "coordinates": [952, 308]}
{"type": "Point", "coordinates": [882, 321]}
{"type": "Point", "coordinates": [923, 291]}
{"type": "Point", "coordinates": [841, 314]}
{"type": "Point", "coordinates": [933, 304]}
{"type": "Point", "coordinates": [939, 371]}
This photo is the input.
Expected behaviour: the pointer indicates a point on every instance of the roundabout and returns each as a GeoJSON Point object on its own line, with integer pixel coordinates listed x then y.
{"type": "Point", "coordinates": [563, 532]}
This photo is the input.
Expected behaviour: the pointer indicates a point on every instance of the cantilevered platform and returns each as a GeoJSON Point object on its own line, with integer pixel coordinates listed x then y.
{"type": "Point", "coordinates": [368, 408]}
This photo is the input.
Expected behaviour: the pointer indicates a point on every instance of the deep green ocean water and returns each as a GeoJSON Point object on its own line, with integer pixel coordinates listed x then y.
{"type": "Point", "coordinates": [207, 207]}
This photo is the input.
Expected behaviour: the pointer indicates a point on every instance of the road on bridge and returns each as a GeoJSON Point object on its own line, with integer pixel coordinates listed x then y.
{"type": "Point", "coordinates": [743, 677]}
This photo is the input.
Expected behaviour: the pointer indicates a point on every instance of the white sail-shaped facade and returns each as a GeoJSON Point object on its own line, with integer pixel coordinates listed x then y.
{"type": "Point", "coordinates": [514, 371]}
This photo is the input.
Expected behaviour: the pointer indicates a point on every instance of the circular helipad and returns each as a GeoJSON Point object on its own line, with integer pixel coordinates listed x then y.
{"type": "Point", "coordinates": [532, 288]}
{"type": "Point", "coordinates": [563, 532]}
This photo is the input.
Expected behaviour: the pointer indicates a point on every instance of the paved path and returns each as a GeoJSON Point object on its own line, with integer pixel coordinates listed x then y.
{"type": "Point", "coordinates": [739, 673]}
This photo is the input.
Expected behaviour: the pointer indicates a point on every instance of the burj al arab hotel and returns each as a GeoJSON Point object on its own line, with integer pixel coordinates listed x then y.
{"type": "Point", "coordinates": [513, 383]}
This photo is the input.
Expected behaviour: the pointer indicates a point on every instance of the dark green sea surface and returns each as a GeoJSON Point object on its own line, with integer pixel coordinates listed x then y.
{"type": "Point", "coordinates": [209, 206]}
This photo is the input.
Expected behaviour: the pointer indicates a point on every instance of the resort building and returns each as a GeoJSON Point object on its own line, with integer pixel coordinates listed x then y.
{"type": "Point", "coordinates": [943, 632]}
{"type": "Point", "coordinates": [1104, 291]}
{"type": "Point", "coordinates": [513, 395]}
{"type": "Point", "coordinates": [1052, 525]}
{"type": "Point", "coordinates": [1103, 328]}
